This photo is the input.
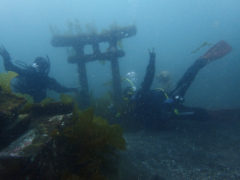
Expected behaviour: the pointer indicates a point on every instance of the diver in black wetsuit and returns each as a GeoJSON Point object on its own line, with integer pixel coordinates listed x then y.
{"type": "Point", "coordinates": [34, 79]}
{"type": "Point", "coordinates": [152, 107]}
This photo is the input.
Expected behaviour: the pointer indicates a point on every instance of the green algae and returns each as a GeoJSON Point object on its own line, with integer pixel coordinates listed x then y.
{"type": "Point", "coordinates": [5, 80]}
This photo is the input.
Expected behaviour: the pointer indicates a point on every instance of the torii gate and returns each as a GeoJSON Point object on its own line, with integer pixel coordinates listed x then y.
{"type": "Point", "coordinates": [77, 42]}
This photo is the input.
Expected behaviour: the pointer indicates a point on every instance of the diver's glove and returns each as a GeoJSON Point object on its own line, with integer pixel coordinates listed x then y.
{"type": "Point", "coordinates": [4, 53]}
{"type": "Point", "coordinates": [152, 53]}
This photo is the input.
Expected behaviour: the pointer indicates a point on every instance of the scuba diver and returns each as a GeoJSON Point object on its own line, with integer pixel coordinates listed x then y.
{"type": "Point", "coordinates": [33, 79]}
{"type": "Point", "coordinates": [153, 107]}
{"type": "Point", "coordinates": [164, 81]}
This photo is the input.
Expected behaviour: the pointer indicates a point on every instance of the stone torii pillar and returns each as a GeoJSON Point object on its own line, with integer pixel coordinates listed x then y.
{"type": "Point", "coordinates": [78, 42]}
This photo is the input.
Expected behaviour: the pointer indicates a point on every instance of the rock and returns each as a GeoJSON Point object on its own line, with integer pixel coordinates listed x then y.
{"type": "Point", "coordinates": [20, 157]}
{"type": "Point", "coordinates": [9, 106]}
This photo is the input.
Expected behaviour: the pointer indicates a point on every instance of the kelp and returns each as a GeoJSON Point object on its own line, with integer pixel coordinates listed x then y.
{"type": "Point", "coordinates": [5, 80]}
{"type": "Point", "coordinates": [66, 99]}
{"type": "Point", "coordinates": [115, 113]}
{"type": "Point", "coordinates": [27, 97]}
{"type": "Point", "coordinates": [78, 146]}
{"type": "Point", "coordinates": [90, 144]}
{"type": "Point", "coordinates": [49, 106]}
{"type": "Point", "coordinates": [83, 147]}
{"type": "Point", "coordinates": [5, 85]}
{"type": "Point", "coordinates": [102, 105]}
{"type": "Point", "coordinates": [47, 101]}
{"type": "Point", "coordinates": [9, 102]}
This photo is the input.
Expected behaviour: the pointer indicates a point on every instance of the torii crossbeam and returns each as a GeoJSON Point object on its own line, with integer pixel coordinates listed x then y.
{"type": "Point", "coordinates": [78, 42]}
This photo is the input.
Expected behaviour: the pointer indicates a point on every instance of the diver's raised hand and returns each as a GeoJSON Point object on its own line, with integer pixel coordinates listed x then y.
{"type": "Point", "coordinates": [4, 53]}
{"type": "Point", "coordinates": [152, 53]}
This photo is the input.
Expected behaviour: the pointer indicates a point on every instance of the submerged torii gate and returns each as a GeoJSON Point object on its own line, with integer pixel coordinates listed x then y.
{"type": "Point", "coordinates": [78, 42]}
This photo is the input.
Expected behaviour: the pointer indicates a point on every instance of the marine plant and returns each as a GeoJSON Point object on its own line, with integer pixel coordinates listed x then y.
{"type": "Point", "coordinates": [5, 80]}
{"type": "Point", "coordinates": [102, 105]}
{"type": "Point", "coordinates": [27, 97]}
{"type": "Point", "coordinates": [5, 85]}
{"type": "Point", "coordinates": [78, 146]}
{"type": "Point", "coordinates": [81, 147]}
{"type": "Point", "coordinates": [48, 106]}
{"type": "Point", "coordinates": [46, 101]}
{"type": "Point", "coordinates": [66, 99]}
{"type": "Point", "coordinates": [90, 144]}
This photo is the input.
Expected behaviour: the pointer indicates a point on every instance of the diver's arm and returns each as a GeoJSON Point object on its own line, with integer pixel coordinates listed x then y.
{"type": "Point", "coordinates": [9, 66]}
{"type": "Point", "coordinates": [149, 76]}
{"type": "Point", "coordinates": [56, 86]}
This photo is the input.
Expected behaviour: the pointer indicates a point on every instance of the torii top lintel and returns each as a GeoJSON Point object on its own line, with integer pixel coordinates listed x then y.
{"type": "Point", "coordinates": [91, 39]}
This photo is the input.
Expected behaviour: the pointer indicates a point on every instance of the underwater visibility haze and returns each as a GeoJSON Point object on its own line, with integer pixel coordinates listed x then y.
{"type": "Point", "coordinates": [174, 28]}
{"type": "Point", "coordinates": [188, 48]}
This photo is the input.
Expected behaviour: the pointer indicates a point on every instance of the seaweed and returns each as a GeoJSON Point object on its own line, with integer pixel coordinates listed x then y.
{"type": "Point", "coordinates": [9, 103]}
{"type": "Point", "coordinates": [5, 80]}
{"type": "Point", "coordinates": [5, 85]}
{"type": "Point", "coordinates": [102, 105]}
{"type": "Point", "coordinates": [27, 97]}
{"type": "Point", "coordinates": [49, 106]}
{"type": "Point", "coordinates": [66, 99]}
{"type": "Point", "coordinates": [89, 144]}
{"type": "Point", "coordinates": [82, 146]}
{"type": "Point", "coordinates": [46, 101]}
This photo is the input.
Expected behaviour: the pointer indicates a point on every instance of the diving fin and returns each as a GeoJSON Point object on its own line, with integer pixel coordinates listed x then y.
{"type": "Point", "coordinates": [217, 51]}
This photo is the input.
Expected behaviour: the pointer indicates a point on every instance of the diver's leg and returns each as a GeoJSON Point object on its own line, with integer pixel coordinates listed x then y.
{"type": "Point", "coordinates": [219, 50]}
{"type": "Point", "coordinates": [188, 77]}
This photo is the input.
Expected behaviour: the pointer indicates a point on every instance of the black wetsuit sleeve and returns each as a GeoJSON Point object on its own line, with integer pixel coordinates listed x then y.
{"type": "Point", "coordinates": [142, 93]}
{"type": "Point", "coordinates": [9, 66]}
{"type": "Point", "coordinates": [188, 77]}
{"type": "Point", "coordinates": [150, 72]}
{"type": "Point", "coordinates": [56, 86]}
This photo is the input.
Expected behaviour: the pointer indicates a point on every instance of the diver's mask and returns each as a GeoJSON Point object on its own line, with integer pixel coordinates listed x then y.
{"type": "Point", "coordinates": [35, 66]}
{"type": "Point", "coordinates": [41, 65]}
